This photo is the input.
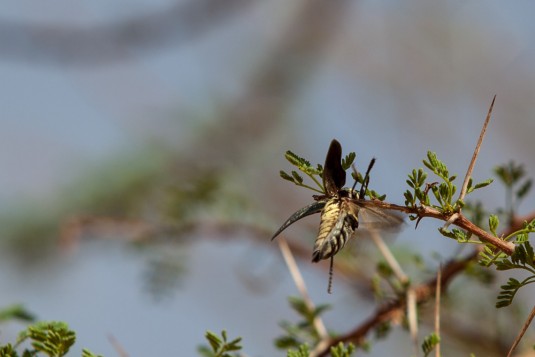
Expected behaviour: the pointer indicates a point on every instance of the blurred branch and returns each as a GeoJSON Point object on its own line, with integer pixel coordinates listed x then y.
{"type": "Point", "coordinates": [392, 309]}
{"type": "Point", "coordinates": [178, 23]}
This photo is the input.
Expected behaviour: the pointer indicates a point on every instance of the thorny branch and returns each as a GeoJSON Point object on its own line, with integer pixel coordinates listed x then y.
{"type": "Point", "coordinates": [460, 221]}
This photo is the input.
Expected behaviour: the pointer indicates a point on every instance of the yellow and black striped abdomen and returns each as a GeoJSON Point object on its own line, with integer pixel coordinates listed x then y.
{"type": "Point", "coordinates": [336, 227]}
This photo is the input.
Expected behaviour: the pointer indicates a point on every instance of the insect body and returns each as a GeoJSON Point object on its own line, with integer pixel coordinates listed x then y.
{"type": "Point", "coordinates": [340, 208]}
{"type": "Point", "coordinates": [336, 227]}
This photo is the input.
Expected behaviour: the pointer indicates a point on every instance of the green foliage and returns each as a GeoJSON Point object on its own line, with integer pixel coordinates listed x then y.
{"type": "Point", "coordinates": [459, 235]}
{"type": "Point", "coordinates": [87, 353]}
{"type": "Point", "coordinates": [443, 192]}
{"type": "Point", "coordinates": [522, 258]}
{"type": "Point", "coordinates": [302, 351]}
{"type": "Point", "coordinates": [16, 311]}
{"type": "Point", "coordinates": [348, 160]}
{"type": "Point", "coordinates": [304, 331]}
{"type": "Point", "coordinates": [416, 182]}
{"type": "Point", "coordinates": [470, 188]}
{"type": "Point", "coordinates": [493, 224]}
{"type": "Point", "coordinates": [219, 346]}
{"type": "Point", "coordinates": [342, 350]}
{"type": "Point", "coordinates": [430, 343]}
{"type": "Point", "coordinates": [315, 173]}
{"type": "Point", "coordinates": [303, 165]}
{"type": "Point", "coordinates": [50, 338]}
{"type": "Point", "coordinates": [512, 176]}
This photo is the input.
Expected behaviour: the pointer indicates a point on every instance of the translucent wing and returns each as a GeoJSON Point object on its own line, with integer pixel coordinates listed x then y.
{"type": "Point", "coordinates": [372, 217]}
{"type": "Point", "coordinates": [312, 208]}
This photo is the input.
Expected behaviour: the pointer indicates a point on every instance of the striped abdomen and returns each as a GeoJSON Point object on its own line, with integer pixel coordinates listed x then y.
{"type": "Point", "coordinates": [336, 227]}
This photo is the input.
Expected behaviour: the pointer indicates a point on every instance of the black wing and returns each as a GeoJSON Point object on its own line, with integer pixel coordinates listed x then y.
{"type": "Point", "coordinates": [334, 176]}
{"type": "Point", "coordinates": [312, 208]}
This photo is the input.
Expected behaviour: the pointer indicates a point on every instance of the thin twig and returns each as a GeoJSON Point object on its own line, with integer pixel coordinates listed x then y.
{"type": "Point", "coordinates": [412, 317]}
{"type": "Point", "coordinates": [522, 332]}
{"type": "Point", "coordinates": [389, 257]}
{"type": "Point", "coordinates": [301, 286]}
{"type": "Point", "coordinates": [476, 152]}
{"type": "Point", "coordinates": [121, 352]}
{"type": "Point", "coordinates": [437, 310]}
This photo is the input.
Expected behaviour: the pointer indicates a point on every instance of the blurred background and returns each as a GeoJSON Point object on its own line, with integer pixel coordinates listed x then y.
{"type": "Point", "coordinates": [141, 143]}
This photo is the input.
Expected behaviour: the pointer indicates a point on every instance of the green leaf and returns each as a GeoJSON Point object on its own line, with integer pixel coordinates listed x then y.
{"type": "Point", "coordinates": [524, 189]}
{"type": "Point", "coordinates": [214, 340]}
{"type": "Point", "coordinates": [296, 160]}
{"type": "Point", "coordinates": [286, 176]}
{"type": "Point", "coordinates": [303, 351]}
{"type": "Point", "coordinates": [430, 343]}
{"type": "Point", "coordinates": [342, 350]}
{"type": "Point", "coordinates": [87, 353]}
{"type": "Point", "coordinates": [483, 184]}
{"type": "Point", "coordinates": [348, 160]}
{"type": "Point", "coordinates": [297, 178]}
{"type": "Point", "coordinates": [16, 311]}
{"type": "Point", "coordinates": [493, 224]}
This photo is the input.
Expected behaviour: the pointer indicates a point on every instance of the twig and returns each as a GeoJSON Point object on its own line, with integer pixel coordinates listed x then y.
{"type": "Point", "coordinates": [437, 310]}
{"type": "Point", "coordinates": [522, 332]}
{"type": "Point", "coordinates": [117, 346]}
{"type": "Point", "coordinates": [301, 286]}
{"type": "Point", "coordinates": [389, 257]}
{"type": "Point", "coordinates": [476, 152]}
{"type": "Point", "coordinates": [412, 316]}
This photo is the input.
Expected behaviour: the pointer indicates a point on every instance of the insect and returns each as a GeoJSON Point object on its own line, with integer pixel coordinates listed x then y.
{"type": "Point", "coordinates": [340, 208]}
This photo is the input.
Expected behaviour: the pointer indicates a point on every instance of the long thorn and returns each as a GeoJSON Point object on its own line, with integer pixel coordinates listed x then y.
{"type": "Point", "coordinates": [522, 332]}
{"type": "Point", "coordinates": [476, 151]}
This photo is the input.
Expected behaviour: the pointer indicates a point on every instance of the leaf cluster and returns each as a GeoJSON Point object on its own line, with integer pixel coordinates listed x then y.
{"type": "Point", "coordinates": [443, 191]}
{"type": "Point", "coordinates": [51, 338]}
{"type": "Point", "coordinates": [512, 176]}
{"type": "Point", "coordinates": [522, 258]}
{"type": "Point", "coordinates": [219, 346]}
{"type": "Point", "coordinates": [429, 343]}
{"type": "Point", "coordinates": [315, 173]}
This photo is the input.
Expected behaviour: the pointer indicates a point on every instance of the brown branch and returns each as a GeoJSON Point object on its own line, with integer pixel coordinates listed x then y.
{"type": "Point", "coordinates": [461, 221]}
{"type": "Point", "coordinates": [177, 24]}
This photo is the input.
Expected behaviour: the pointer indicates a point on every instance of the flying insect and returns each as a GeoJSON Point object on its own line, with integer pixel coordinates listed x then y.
{"type": "Point", "coordinates": [340, 209]}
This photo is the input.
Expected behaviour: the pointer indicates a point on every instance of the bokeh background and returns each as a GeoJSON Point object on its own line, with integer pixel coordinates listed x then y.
{"type": "Point", "coordinates": [141, 142]}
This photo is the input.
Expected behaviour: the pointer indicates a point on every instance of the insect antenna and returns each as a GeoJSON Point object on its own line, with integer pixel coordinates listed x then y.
{"type": "Point", "coordinates": [330, 285]}
{"type": "Point", "coordinates": [366, 179]}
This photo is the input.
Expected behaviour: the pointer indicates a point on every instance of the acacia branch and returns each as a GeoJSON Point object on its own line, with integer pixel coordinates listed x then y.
{"type": "Point", "coordinates": [460, 221]}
